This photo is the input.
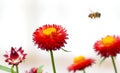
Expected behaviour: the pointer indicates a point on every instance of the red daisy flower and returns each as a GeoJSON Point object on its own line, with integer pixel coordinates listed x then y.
{"type": "Point", "coordinates": [108, 46]}
{"type": "Point", "coordinates": [50, 37]}
{"type": "Point", "coordinates": [32, 70]}
{"type": "Point", "coordinates": [80, 63]}
{"type": "Point", "coordinates": [15, 56]}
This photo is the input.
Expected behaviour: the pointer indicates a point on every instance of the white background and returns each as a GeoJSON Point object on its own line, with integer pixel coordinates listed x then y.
{"type": "Point", "coordinates": [20, 18]}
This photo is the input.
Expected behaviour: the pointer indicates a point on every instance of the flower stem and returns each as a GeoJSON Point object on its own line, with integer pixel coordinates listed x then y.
{"type": "Point", "coordinates": [84, 71]}
{"type": "Point", "coordinates": [17, 71]}
{"type": "Point", "coordinates": [113, 61]}
{"type": "Point", "coordinates": [52, 60]}
{"type": "Point", "coordinates": [12, 69]}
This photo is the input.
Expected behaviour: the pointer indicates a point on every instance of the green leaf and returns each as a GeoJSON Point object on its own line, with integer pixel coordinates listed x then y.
{"type": "Point", "coordinates": [40, 69]}
{"type": "Point", "coordinates": [102, 60]}
{"type": "Point", "coordinates": [65, 50]}
{"type": "Point", "coordinates": [4, 68]}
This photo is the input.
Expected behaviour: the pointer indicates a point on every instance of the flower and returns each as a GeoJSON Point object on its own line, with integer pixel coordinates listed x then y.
{"type": "Point", "coordinates": [80, 63]}
{"type": "Point", "coordinates": [32, 70]}
{"type": "Point", "coordinates": [15, 56]}
{"type": "Point", "coordinates": [50, 37]}
{"type": "Point", "coordinates": [108, 46]}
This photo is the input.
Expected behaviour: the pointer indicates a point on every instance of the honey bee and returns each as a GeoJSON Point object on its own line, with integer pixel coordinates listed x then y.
{"type": "Point", "coordinates": [94, 15]}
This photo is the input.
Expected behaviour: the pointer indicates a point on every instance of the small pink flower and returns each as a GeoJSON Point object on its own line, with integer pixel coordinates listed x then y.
{"type": "Point", "coordinates": [32, 70]}
{"type": "Point", "coordinates": [15, 56]}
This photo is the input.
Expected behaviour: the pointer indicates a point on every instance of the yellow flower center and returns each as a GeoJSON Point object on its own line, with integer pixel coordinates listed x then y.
{"type": "Point", "coordinates": [108, 40]}
{"type": "Point", "coordinates": [49, 31]}
{"type": "Point", "coordinates": [79, 59]}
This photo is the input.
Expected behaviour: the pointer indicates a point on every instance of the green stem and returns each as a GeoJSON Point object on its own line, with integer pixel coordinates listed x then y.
{"type": "Point", "coordinates": [12, 69]}
{"type": "Point", "coordinates": [17, 71]}
{"type": "Point", "coordinates": [52, 60]}
{"type": "Point", "coordinates": [84, 71]}
{"type": "Point", "coordinates": [114, 65]}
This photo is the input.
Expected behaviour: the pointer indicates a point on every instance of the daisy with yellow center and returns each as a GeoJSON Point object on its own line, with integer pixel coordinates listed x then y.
{"type": "Point", "coordinates": [80, 63]}
{"type": "Point", "coordinates": [108, 46]}
{"type": "Point", "coordinates": [49, 38]}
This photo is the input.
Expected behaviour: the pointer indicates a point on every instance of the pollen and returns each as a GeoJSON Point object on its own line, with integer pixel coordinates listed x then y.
{"type": "Point", "coordinates": [108, 40]}
{"type": "Point", "coordinates": [49, 31]}
{"type": "Point", "coordinates": [79, 59]}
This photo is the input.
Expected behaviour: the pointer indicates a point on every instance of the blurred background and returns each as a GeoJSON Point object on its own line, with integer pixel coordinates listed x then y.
{"type": "Point", "coordinates": [20, 18]}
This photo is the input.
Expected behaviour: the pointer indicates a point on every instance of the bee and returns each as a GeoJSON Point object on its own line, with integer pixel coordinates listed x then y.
{"type": "Point", "coordinates": [94, 15]}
